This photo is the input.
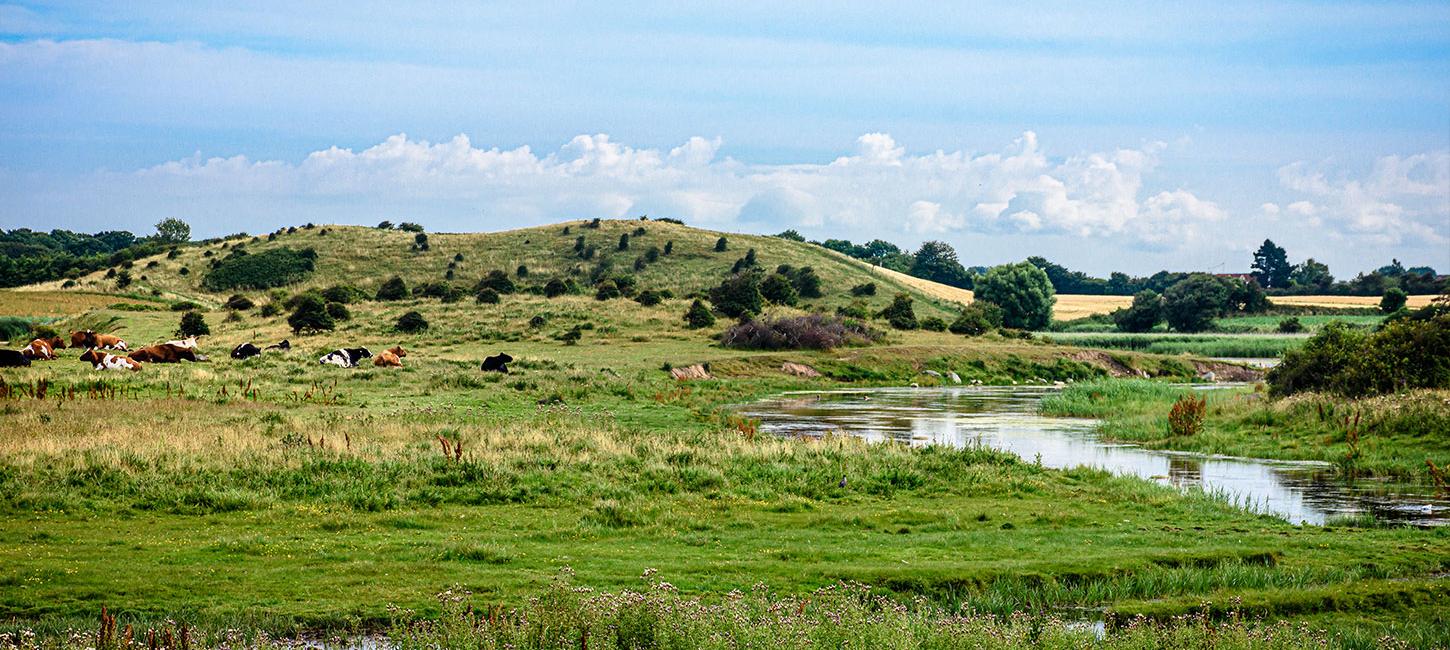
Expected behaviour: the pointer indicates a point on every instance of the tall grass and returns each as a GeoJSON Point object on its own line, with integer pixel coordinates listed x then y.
{"type": "Point", "coordinates": [1211, 345]}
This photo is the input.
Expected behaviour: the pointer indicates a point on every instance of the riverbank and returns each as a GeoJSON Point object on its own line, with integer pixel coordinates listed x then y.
{"type": "Point", "coordinates": [1390, 436]}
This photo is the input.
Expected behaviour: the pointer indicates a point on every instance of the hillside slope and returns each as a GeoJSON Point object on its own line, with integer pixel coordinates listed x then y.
{"type": "Point", "coordinates": [366, 257]}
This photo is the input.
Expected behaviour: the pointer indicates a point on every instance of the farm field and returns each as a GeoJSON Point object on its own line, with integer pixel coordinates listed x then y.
{"type": "Point", "coordinates": [278, 494]}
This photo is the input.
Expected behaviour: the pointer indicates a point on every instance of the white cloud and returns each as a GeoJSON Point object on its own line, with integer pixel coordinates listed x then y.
{"type": "Point", "coordinates": [1402, 199]}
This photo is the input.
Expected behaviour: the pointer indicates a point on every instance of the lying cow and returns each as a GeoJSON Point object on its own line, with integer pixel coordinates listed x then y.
{"type": "Point", "coordinates": [13, 359]}
{"type": "Point", "coordinates": [166, 353]}
{"type": "Point", "coordinates": [391, 358]}
{"type": "Point", "coordinates": [188, 342]}
{"type": "Point", "coordinates": [104, 361]}
{"type": "Point", "coordinates": [41, 349]}
{"type": "Point", "coordinates": [245, 351]}
{"type": "Point", "coordinates": [284, 345]}
{"type": "Point", "coordinates": [345, 358]}
{"type": "Point", "coordinates": [497, 363]}
{"type": "Point", "coordinates": [91, 339]}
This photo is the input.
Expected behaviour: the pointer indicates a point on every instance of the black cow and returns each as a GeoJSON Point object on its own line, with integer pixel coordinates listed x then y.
{"type": "Point", "coordinates": [284, 345]}
{"type": "Point", "coordinates": [245, 351]}
{"type": "Point", "coordinates": [345, 358]}
{"type": "Point", "coordinates": [13, 359]}
{"type": "Point", "coordinates": [497, 363]}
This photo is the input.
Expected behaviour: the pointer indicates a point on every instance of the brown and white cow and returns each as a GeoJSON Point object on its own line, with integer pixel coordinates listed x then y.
{"type": "Point", "coordinates": [42, 349]}
{"type": "Point", "coordinates": [188, 342]}
{"type": "Point", "coordinates": [390, 358]}
{"type": "Point", "coordinates": [92, 339]}
{"type": "Point", "coordinates": [104, 361]}
{"type": "Point", "coordinates": [166, 353]}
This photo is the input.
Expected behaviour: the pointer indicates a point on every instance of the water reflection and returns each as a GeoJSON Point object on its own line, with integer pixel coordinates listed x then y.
{"type": "Point", "coordinates": [1006, 418]}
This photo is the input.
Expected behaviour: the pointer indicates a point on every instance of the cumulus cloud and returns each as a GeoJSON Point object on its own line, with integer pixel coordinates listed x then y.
{"type": "Point", "coordinates": [1404, 198]}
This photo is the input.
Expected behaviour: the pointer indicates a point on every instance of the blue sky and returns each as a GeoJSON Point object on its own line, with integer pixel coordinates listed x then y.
{"type": "Point", "coordinates": [1133, 137]}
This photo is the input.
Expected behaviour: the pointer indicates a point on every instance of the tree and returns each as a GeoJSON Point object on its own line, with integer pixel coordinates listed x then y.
{"type": "Point", "coordinates": [1393, 300]}
{"type": "Point", "coordinates": [937, 261]}
{"type": "Point", "coordinates": [977, 319]}
{"type": "Point", "coordinates": [1022, 291]}
{"type": "Point", "coordinates": [1271, 266]}
{"type": "Point", "coordinates": [791, 235]}
{"type": "Point", "coordinates": [408, 226]}
{"type": "Point", "coordinates": [864, 289]}
{"type": "Point", "coordinates": [555, 288]}
{"type": "Point", "coordinates": [1144, 314]}
{"type": "Point", "coordinates": [385, 225]}
{"type": "Point", "coordinates": [192, 324]}
{"type": "Point", "coordinates": [522, 271]}
{"type": "Point", "coordinates": [338, 311]}
{"type": "Point", "coordinates": [900, 313]}
{"type": "Point", "coordinates": [698, 315]}
{"type": "Point", "coordinates": [1191, 304]}
{"type": "Point", "coordinates": [310, 316]}
{"type": "Point", "coordinates": [648, 298]}
{"type": "Point", "coordinates": [393, 289]}
{"type": "Point", "coordinates": [738, 295]}
{"type": "Point", "coordinates": [624, 241]}
{"type": "Point", "coordinates": [412, 322]}
{"type": "Point", "coordinates": [497, 280]}
{"type": "Point", "coordinates": [806, 282]}
{"type": "Point", "coordinates": [606, 290]}
{"type": "Point", "coordinates": [173, 231]}
{"type": "Point", "coordinates": [1311, 274]}
{"type": "Point", "coordinates": [721, 245]}
{"type": "Point", "coordinates": [777, 289]}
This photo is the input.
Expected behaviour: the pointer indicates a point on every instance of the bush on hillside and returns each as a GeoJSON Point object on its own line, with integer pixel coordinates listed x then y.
{"type": "Point", "coordinates": [555, 288]}
{"type": "Point", "coordinates": [274, 268]}
{"type": "Point", "coordinates": [13, 328]}
{"type": "Point", "coordinates": [857, 309]}
{"type": "Point", "coordinates": [864, 289]}
{"type": "Point", "coordinates": [900, 313]}
{"type": "Point", "coordinates": [722, 245]}
{"type": "Point", "coordinates": [192, 324]}
{"type": "Point", "coordinates": [933, 324]}
{"type": "Point", "coordinates": [809, 332]}
{"type": "Point", "coordinates": [338, 311]}
{"type": "Point", "coordinates": [738, 295]}
{"type": "Point", "coordinates": [344, 293]}
{"type": "Point", "coordinates": [806, 282]}
{"type": "Point", "coordinates": [269, 310]}
{"type": "Point", "coordinates": [1291, 325]}
{"type": "Point", "coordinates": [698, 315]}
{"type": "Point", "coordinates": [778, 290]}
{"type": "Point", "coordinates": [498, 281]}
{"type": "Point", "coordinates": [411, 323]}
{"type": "Point", "coordinates": [408, 226]}
{"type": "Point", "coordinates": [522, 271]}
{"type": "Point", "coordinates": [977, 319]}
{"type": "Point", "coordinates": [1022, 291]}
{"type": "Point", "coordinates": [606, 290]}
{"type": "Point", "coordinates": [486, 296]}
{"type": "Point", "coordinates": [239, 302]}
{"type": "Point", "coordinates": [648, 298]}
{"type": "Point", "coordinates": [393, 289]}
{"type": "Point", "coordinates": [310, 316]}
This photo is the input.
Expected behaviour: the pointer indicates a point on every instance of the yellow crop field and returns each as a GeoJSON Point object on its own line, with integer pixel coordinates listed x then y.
{"type": "Point", "coordinates": [1070, 306]}
{"type": "Point", "coordinates": [1345, 301]}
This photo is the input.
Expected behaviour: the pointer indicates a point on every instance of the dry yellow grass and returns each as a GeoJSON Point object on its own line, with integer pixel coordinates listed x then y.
{"type": "Point", "coordinates": [29, 302]}
{"type": "Point", "coordinates": [933, 289]}
{"type": "Point", "coordinates": [1345, 301]}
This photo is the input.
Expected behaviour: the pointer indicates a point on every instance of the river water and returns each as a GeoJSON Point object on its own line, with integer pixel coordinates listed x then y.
{"type": "Point", "coordinates": [1005, 418]}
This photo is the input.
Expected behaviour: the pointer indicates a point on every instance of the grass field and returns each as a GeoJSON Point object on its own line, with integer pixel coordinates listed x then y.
{"type": "Point", "coordinates": [277, 494]}
{"type": "Point", "coordinates": [57, 303]}
{"type": "Point", "coordinates": [1210, 345]}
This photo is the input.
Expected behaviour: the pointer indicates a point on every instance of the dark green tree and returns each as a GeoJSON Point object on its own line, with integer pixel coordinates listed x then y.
{"type": "Point", "coordinates": [937, 261]}
{"type": "Point", "coordinates": [1193, 303]}
{"type": "Point", "coordinates": [173, 231]}
{"type": "Point", "coordinates": [310, 316]}
{"type": "Point", "coordinates": [411, 323]}
{"type": "Point", "coordinates": [900, 313]}
{"type": "Point", "coordinates": [1393, 300]}
{"type": "Point", "coordinates": [738, 295]}
{"type": "Point", "coordinates": [778, 289]}
{"type": "Point", "coordinates": [1312, 274]}
{"type": "Point", "coordinates": [699, 315]}
{"type": "Point", "coordinates": [1143, 315]}
{"type": "Point", "coordinates": [721, 245]}
{"type": "Point", "coordinates": [1271, 266]}
{"type": "Point", "coordinates": [393, 289]}
{"type": "Point", "coordinates": [192, 324]}
{"type": "Point", "coordinates": [791, 235]}
{"type": "Point", "coordinates": [1022, 291]}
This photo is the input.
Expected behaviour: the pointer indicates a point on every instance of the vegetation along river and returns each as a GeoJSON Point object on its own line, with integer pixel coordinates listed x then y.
{"type": "Point", "coordinates": [1006, 418]}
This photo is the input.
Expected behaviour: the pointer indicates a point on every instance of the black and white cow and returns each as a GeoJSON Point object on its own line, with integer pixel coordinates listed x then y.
{"type": "Point", "coordinates": [497, 363]}
{"type": "Point", "coordinates": [345, 358]}
{"type": "Point", "coordinates": [245, 351]}
{"type": "Point", "coordinates": [13, 359]}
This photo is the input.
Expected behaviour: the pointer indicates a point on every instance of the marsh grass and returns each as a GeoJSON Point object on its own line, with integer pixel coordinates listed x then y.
{"type": "Point", "coordinates": [1209, 345]}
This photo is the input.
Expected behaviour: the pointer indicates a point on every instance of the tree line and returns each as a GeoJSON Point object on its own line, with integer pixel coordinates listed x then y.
{"type": "Point", "coordinates": [28, 256]}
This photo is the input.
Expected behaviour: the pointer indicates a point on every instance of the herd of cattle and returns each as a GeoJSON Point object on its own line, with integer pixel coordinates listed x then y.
{"type": "Point", "coordinates": [95, 345]}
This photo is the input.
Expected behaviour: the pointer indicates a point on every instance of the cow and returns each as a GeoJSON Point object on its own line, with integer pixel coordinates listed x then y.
{"type": "Point", "coordinates": [392, 357]}
{"type": "Point", "coordinates": [284, 345]}
{"type": "Point", "coordinates": [13, 359]}
{"type": "Point", "coordinates": [188, 342]}
{"type": "Point", "coordinates": [245, 351]}
{"type": "Point", "coordinates": [104, 361]}
{"type": "Point", "coordinates": [83, 339]}
{"type": "Point", "coordinates": [92, 339]}
{"type": "Point", "coordinates": [497, 363]}
{"type": "Point", "coordinates": [345, 358]}
{"type": "Point", "coordinates": [39, 350]}
{"type": "Point", "coordinates": [166, 353]}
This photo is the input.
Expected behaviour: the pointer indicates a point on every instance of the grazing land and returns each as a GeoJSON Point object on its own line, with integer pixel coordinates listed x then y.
{"type": "Point", "coordinates": [282, 495]}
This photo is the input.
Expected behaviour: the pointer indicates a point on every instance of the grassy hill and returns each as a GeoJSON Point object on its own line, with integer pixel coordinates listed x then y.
{"type": "Point", "coordinates": [366, 257]}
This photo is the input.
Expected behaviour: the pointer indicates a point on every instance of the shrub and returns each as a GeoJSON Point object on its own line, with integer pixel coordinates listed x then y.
{"type": "Point", "coordinates": [1022, 291]}
{"type": "Point", "coordinates": [430, 290]}
{"type": "Point", "coordinates": [1404, 354]}
{"type": "Point", "coordinates": [486, 296]}
{"type": "Point", "coordinates": [270, 309]}
{"type": "Point", "coordinates": [344, 293]}
{"type": "Point", "coordinates": [522, 271]}
{"type": "Point", "coordinates": [572, 336]}
{"type": "Point", "coordinates": [639, 264]}
{"type": "Point", "coordinates": [239, 302]}
{"type": "Point", "coordinates": [1186, 416]}
{"type": "Point", "coordinates": [1144, 314]}
{"type": "Point", "coordinates": [806, 282]}
{"type": "Point", "coordinates": [639, 232]}
{"type": "Point", "coordinates": [123, 279]}
{"type": "Point", "coordinates": [185, 305]}
{"type": "Point", "coordinates": [648, 298]}
{"type": "Point", "coordinates": [857, 310]}
{"type": "Point", "coordinates": [864, 289]}
{"type": "Point", "coordinates": [777, 289]}
{"type": "Point", "coordinates": [274, 268]}
{"type": "Point", "coordinates": [411, 323]}
{"type": "Point", "coordinates": [1291, 325]}
{"type": "Point", "coordinates": [458, 257]}
{"type": "Point", "coordinates": [498, 281]}
{"type": "Point", "coordinates": [1393, 300]}
{"type": "Point", "coordinates": [310, 316]}
{"type": "Point", "coordinates": [652, 255]}
{"type": "Point", "coordinates": [1191, 304]}
{"type": "Point", "coordinates": [977, 319]}
{"type": "Point", "coordinates": [669, 247]}
{"type": "Point", "coordinates": [722, 245]}
{"type": "Point", "coordinates": [809, 332]}
{"type": "Point", "coordinates": [385, 225]}
{"type": "Point", "coordinates": [408, 226]}
{"type": "Point", "coordinates": [452, 294]}
{"type": "Point", "coordinates": [338, 311]}
{"type": "Point", "coordinates": [593, 224]}
{"type": "Point", "coordinates": [900, 313]}
{"type": "Point", "coordinates": [738, 295]}
{"type": "Point", "coordinates": [14, 328]}
{"type": "Point", "coordinates": [393, 289]}
{"type": "Point", "coordinates": [698, 315]}
{"type": "Point", "coordinates": [589, 252]}
{"type": "Point", "coordinates": [606, 290]}
{"type": "Point", "coordinates": [420, 242]}
{"type": "Point", "coordinates": [555, 288]}
{"type": "Point", "coordinates": [933, 324]}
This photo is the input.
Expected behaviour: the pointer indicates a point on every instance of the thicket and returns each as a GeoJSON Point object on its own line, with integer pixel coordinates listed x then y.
{"type": "Point", "coordinates": [273, 268]}
{"type": "Point", "coordinates": [1404, 354]}
{"type": "Point", "coordinates": [809, 332]}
